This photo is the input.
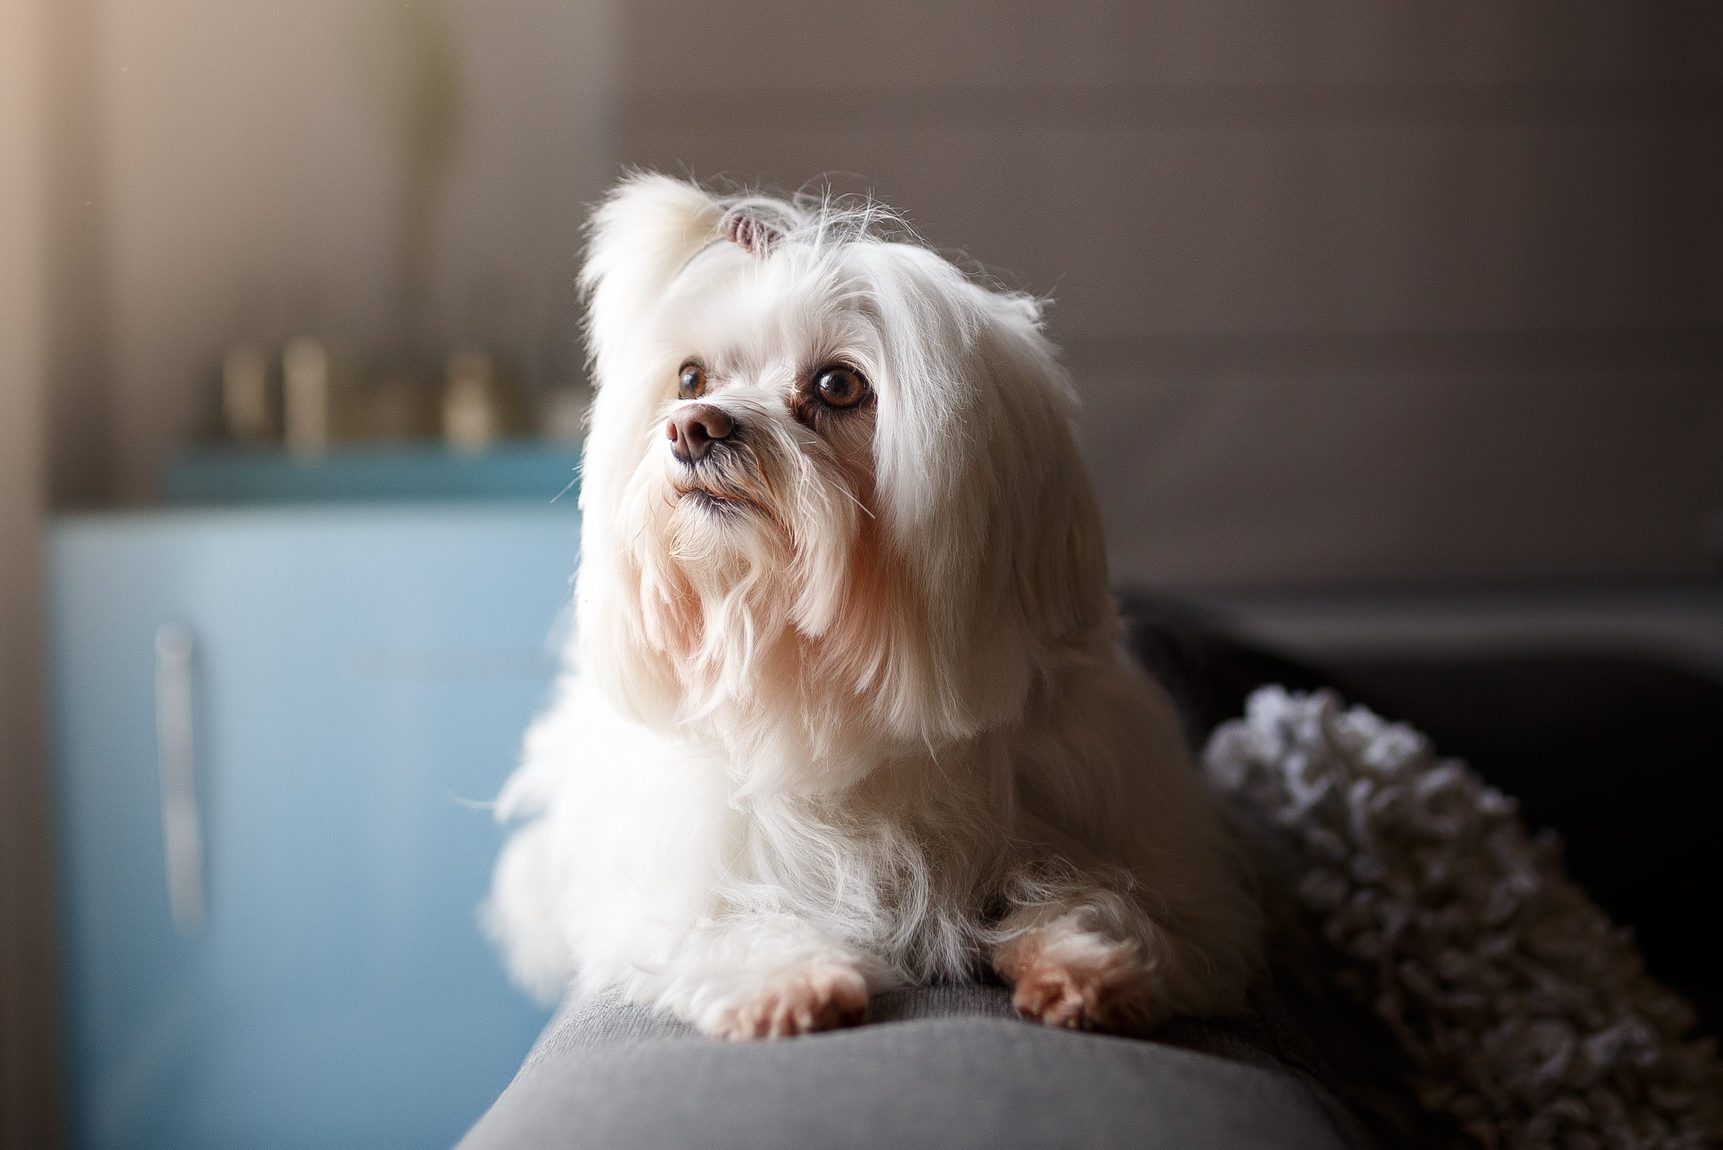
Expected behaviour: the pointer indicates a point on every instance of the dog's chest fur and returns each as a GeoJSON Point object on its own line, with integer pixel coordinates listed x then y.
{"type": "Point", "coordinates": [906, 861]}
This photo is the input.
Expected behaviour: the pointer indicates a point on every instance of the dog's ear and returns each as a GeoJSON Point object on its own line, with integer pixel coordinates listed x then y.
{"type": "Point", "coordinates": [640, 237]}
{"type": "Point", "coordinates": [983, 490]}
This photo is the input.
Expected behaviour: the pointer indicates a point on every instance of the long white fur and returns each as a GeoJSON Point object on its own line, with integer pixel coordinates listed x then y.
{"type": "Point", "coordinates": [877, 718]}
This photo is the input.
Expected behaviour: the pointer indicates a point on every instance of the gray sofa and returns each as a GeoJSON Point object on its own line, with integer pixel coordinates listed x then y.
{"type": "Point", "coordinates": [953, 1067]}
{"type": "Point", "coordinates": [945, 1067]}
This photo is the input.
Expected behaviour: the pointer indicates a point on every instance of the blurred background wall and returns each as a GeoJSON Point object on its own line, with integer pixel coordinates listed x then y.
{"type": "Point", "coordinates": [1372, 292]}
{"type": "Point", "coordinates": [28, 1049]}
{"type": "Point", "coordinates": [1351, 293]}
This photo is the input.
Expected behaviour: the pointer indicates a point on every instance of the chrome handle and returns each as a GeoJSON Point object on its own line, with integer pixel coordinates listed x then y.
{"type": "Point", "coordinates": [182, 837]}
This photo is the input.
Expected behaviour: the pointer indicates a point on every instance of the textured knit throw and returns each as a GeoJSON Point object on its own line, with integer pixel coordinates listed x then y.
{"type": "Point", "coordinates": [1528, 1015]}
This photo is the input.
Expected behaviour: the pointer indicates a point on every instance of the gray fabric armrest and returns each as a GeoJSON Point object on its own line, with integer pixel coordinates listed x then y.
{"type": "Point", "coordinates": [945, 1067]}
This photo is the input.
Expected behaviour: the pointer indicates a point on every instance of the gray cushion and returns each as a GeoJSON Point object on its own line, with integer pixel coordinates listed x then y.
{"type": "Point", "coordinates": [945, 1067]}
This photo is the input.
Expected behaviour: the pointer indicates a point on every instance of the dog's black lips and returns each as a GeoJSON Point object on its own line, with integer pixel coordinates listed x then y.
{"type": "Point", "coordinates": [709, 477]}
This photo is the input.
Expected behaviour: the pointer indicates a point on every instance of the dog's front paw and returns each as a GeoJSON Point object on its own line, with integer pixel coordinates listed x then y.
{"type": "Point", "coordinates": [799, 1000]}
{"type": "Point", "coordinates": [1082, 983]}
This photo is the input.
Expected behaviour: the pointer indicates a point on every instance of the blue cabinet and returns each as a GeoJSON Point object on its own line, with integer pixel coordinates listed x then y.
{"type": "Point", "coordinates": [292, 717]}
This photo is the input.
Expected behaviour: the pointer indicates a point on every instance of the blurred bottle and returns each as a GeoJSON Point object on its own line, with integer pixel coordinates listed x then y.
{"type": "Point", "coordinates": [305, 398]}
{"type": "Point", "coordinates": [561, 396]}
{"type": "Point", "coordinates": [480, 406]}
{"type": "Point", "coordinates": [562, 412]}
{"type": "Point", "coordinates": [248, 407]}
{"type": "Point", "coordinates": [320, 396]}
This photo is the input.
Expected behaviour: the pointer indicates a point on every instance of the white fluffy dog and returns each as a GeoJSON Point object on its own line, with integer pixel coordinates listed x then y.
{"type": "Point", "coordinates": [844, 708]}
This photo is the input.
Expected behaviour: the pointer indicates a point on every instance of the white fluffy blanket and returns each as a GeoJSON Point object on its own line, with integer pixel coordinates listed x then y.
{"type": "Point", "coordinates": [1529, 1016]}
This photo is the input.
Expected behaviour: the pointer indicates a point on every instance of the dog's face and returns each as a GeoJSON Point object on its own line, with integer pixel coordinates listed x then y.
{"type": "Point", "coordinates": [828, 478]}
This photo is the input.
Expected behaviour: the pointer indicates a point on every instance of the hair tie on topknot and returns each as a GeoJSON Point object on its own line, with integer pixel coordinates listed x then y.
{"type": "Point", "coordinates": [749, 232]}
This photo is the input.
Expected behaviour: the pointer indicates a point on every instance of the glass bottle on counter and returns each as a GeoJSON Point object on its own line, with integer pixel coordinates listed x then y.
{"type": "Point", "coordinates": [480, 405]}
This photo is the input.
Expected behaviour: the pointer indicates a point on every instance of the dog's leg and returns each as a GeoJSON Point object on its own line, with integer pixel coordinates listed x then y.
{"type": "Point", "coordinates": [767, 977]}
{"type": "Point", "coordinates": [1066, 970]}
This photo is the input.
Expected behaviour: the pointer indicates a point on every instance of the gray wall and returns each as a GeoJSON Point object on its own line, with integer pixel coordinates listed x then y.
{"type": "Point", "coordinates": [1352, 292]}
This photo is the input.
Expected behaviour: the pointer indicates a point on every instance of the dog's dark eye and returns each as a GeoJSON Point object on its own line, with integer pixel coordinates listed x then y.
{"type": "Point", "coordinates": [839, 386]}
{"type": "Point", "coordinates": [692, 382]}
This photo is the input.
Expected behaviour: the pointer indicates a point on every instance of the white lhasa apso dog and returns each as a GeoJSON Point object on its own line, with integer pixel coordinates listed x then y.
{"type": "Point", "coordinates": [844, 708]}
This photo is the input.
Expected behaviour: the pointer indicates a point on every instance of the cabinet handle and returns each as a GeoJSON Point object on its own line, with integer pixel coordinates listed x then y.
{"type": "Point", "coordinates": [182, 838]}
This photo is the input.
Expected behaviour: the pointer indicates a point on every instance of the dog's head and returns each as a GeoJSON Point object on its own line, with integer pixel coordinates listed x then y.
{"type": "Point", "coordinates": [828, 475]}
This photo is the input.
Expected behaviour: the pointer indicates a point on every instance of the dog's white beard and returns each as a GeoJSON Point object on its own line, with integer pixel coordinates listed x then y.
{"type": "Point", "coordinates": [737, 617]}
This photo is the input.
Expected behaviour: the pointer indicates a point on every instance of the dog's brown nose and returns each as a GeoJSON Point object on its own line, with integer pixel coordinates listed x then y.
{"type": "Point", "coordinates": [693, 428]}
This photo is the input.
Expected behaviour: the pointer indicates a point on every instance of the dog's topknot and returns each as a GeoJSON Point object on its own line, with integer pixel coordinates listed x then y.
{"type": "Point", "coordinates": [749, 231]}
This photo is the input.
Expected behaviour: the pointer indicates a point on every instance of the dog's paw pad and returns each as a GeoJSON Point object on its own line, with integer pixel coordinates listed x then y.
{"type": "Point", "coordinates": [798, 1001]}
{"type": "Point", "coordinates": [1093, 988]}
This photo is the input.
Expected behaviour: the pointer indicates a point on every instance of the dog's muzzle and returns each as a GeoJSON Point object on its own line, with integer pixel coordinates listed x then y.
{"type": "Point", "coordinates": [692, 430]}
